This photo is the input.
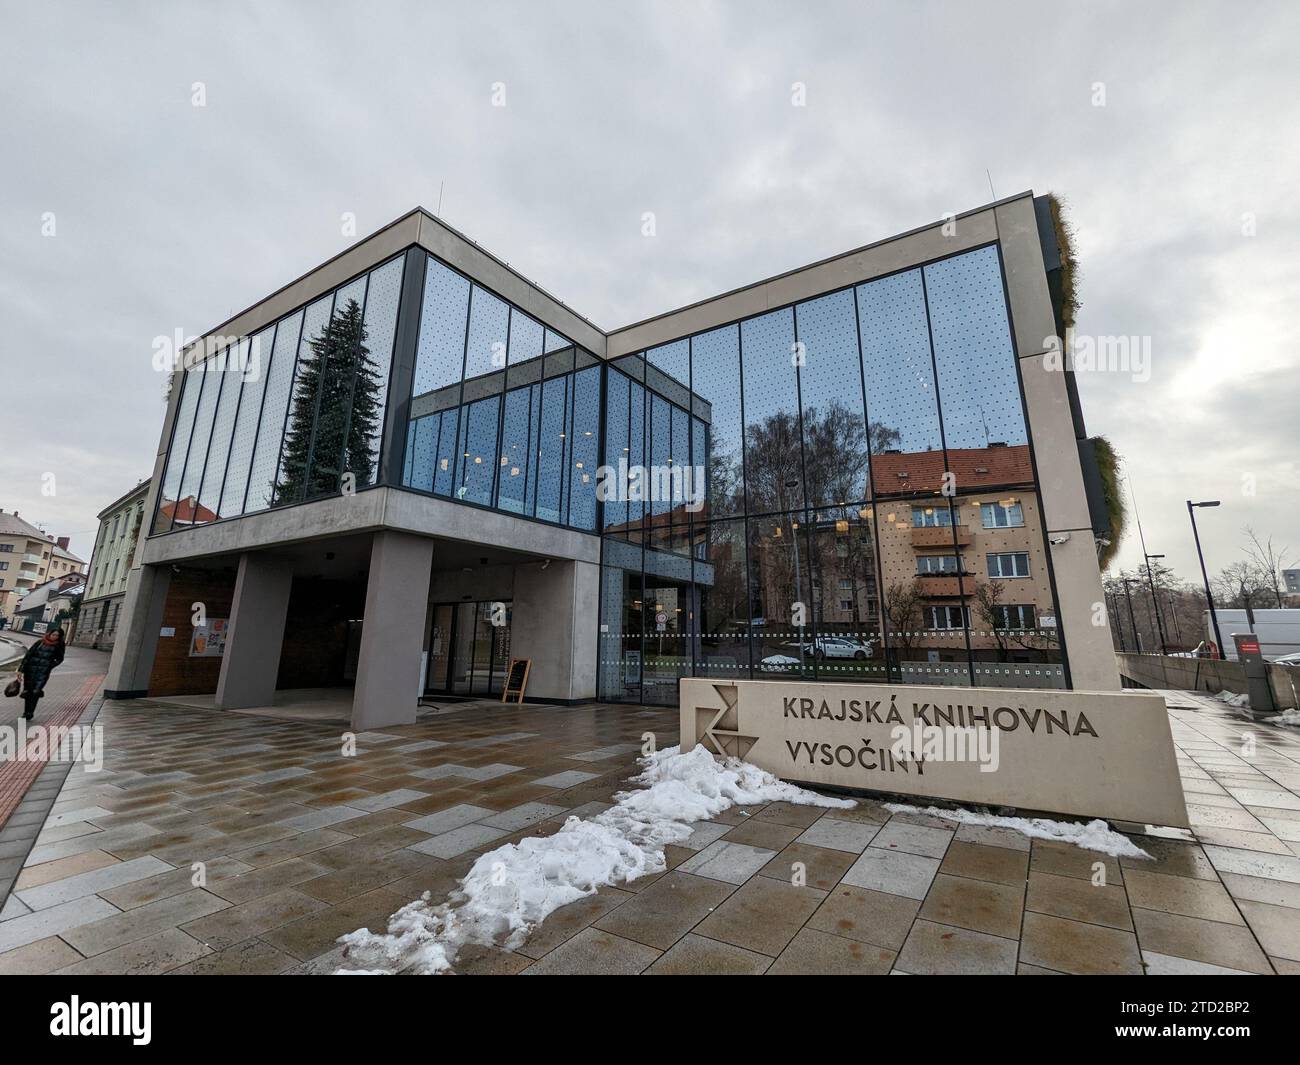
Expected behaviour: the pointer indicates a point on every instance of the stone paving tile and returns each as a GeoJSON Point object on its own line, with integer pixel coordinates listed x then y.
{"type": "Point", "coordinates": [566, 779]}
{"type": "Point", "coordinates": [765, 834]}
{"type": "Point", "coordinates": [316, 934]}
{"type": "Point", "coordinates": [991, 836]}
{"type": "Point", "coordinates": [522, 816]}
{"type": "Point", "coordinates": [665, 910]}
{"type": "Point", "coordinates": [114, 931]}
{"type": "Point", "coordinates": [35, 959]}
{"type": "Point", "coordinates": [874, 917]}
{"type": "Point", "coordinates": [458, 840]}
{"type": "Point", "coordinates": [323, 817]}
{"type": "Point", "coordinates": [1229, 945]}
{"type": "Point", "coordinates": [565, 923]}
{"type": "Point", "coordinates": [1174, 859]}
{"type": "Point", "coordinates": [595, 953]}
{"type": "Point", "coordinates": [1063, 859]}
{"type": "Point", "coordinates": [154, 954]}
{"type": "Point", "coordinates": [936, 948]}
{"type": "Point", "coordinates": [703, 833]}
{"type": "Point", "coordinates": [832, 833]}
{"type": "Point", "coordinates": [56, 921]}
{"type": "Point", "coordinates": [695, 955]}
{"type": "Point", "coordinates": [788, 813]}
{"type": "Point", "coordinates": [895, 872]}
{"type": "Point", "coordinates": [92, 883]}
{"type": "Point", "coordinates": [1076, 947]}
{"type": "Point", "coordinates": [1207, 899]}
{"type": "Point", "coordinates": [733, 863]}
{"type": "Point", "coordinates": [1276, 927]}
{"type": "Point", "coordinates": [386, 800]}
{"type": "Point", "coordinates": [978, 905]}
{"type": "Point", "coordinates": [914, 839]}
{"type": "Point", "coordinates": [34, 874]}
{"type": "Point", "coordinates": [1164, 965]}
{"type": "Point", "coordinates": [234, 924]}
{"type": "Point", "coordinates": [252, 957]}
{"type": "Point", "coordinates": [762, 915]}
{"type": "Point", "coordinates": [445, 820]}
{"type": "Point", "coordinates": [814, 953]}
{"type": "Point", "coordinates": [1255, 863]}
{"type": "Point", "coordinates": [981, 861]}
{"type": "Point", "coordinates": [251, 883]}
{"type": "Point", "coordinates": [1079, 900]}
{"type": "Point", "coordinates": [817, 867]}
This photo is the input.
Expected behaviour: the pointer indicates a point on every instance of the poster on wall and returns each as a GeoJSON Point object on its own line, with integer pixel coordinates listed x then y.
{"type": "Point", "coordinates": [209, 641]}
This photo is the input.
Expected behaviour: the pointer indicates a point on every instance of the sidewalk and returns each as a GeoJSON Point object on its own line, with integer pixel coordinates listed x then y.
{"type": "Point", "coordinates": [299, 844]}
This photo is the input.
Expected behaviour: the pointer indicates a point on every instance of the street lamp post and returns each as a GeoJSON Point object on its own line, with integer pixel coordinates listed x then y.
{"type": "Point", "coordinates": [1155, 603]}
{"type": "Point", "coordinates": [1132, 619]}
{"type": "Point", "coordinates": [1209, 596]}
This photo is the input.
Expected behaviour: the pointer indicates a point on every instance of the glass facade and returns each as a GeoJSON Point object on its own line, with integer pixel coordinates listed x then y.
{"type": "Point", "coordinates": [292, 413]}
{"type": "Point", "coordinates": [838, 489]}
{"type": "Point", "coordinates": [505, 413]}
{"type": "Point", "coordinates": [869, 490]}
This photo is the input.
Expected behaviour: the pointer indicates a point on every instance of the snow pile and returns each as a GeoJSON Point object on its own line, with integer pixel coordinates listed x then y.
{"type": "Point", "coordinates": [1234, 700]}
{"type": "Point", "coordinates": [1094, 836]}
{"type": "Point", "coordinates": [511, 890]}
{"type": "Point", "coordinates": [1289, 716]}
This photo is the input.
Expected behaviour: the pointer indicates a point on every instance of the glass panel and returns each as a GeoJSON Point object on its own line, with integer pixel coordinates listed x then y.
{"type": "Point", "coordinates": [441, 352]}
{"type": "Point", "coordinates": [903, 412]}
{"type": "Point", "coordinates": [512, 480]}
{"type": "Point", "coordinates": [617, 390]}
{"type": "Point", "coordinates": [846, 601]}
{"type": "Point", "coordinates": [291, 476]}
{"type": "Point", "coordinates": [478, 451]}
{"type": "Point", "coordinates": [722, 647]}
{"type": "Point", "coordinates": [978, 387]}
{"type": "Point", "coordinates": [780, 613]}
{"type": "Point", "coordinates": [421, 452]}
{"type": "Point", "coordinates": [348, 404]}
{"type": "Point", "coordinates": [830, 386]}
{"type": "Point", "coordinates": [661, 447]}
{"type": "Point", "coordinates": [554, 342]}
{"type": "Point", "coordinates": [382, 297]}
{"type": "Point", "coordinates": [534, 436]}
{"type": "Point", "coordinates": [773, 473]}
{"type": "Point", "coordinates": [486, 347]}
{"type": "Point", "coordinates": [525, 338]}
{"type": "Point", "coordinates": [187, 510]}
{"type": "Point", "coordinates": [214, 472]}
{"type": "Point", "coordinates": [275, 404]}
{"type": "Point", "coordinates": [585, 449]}
{"type": "Point", "coordinates": [244, 435]}
{"type": "Point", "coordinates": [715, 381]}
{"type": "Point", "coordinates": [621, 603]}
{"type": "Point", "coordinates": [664, 611]}
{"type": "Point", "coordinates": [674, 360]}
{"type": "Point", "coordinates": [190, 384]}
{"type": "Point", "coordinates": [444, 471]}
{"type": "Point", "coordinates": [551, 451]}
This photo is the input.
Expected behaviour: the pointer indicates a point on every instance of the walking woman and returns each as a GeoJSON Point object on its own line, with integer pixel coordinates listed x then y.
{"type": "Point", "coordinates": [36, 666]}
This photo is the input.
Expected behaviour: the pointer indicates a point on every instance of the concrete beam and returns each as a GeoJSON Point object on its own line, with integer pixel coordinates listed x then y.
{"type": "Point", "coordinates": [256, 632]}
{"type": "Point", "coordinates": [554, 624]}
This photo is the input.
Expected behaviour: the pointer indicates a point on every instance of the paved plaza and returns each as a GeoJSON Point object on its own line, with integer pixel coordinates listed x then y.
{"type": "Point", "coordinates": [301, 843]}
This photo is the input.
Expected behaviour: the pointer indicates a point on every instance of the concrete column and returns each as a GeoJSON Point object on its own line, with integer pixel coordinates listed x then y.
{"type": "Point", "coordinates": [131, 662]}
{"type": "Point", "coordinates": [392, 634]}
{"type": "Point", "coordinates": [555, 622]}
{"type": "Point", "coordinates": [256, 632]}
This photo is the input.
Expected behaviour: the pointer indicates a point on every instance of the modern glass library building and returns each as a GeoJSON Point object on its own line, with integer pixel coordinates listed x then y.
{"type": "Point", "coordinates": [412, 464]}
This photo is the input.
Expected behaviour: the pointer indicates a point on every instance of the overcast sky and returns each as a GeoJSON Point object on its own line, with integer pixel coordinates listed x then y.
{"type": "Point", "coordinates": [1169, 129]}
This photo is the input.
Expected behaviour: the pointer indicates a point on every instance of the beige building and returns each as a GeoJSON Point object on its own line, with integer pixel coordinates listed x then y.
{"type": "Point", "coordinates": [110, 562]}
{"type": "Point", "coordinates": [28, 558]}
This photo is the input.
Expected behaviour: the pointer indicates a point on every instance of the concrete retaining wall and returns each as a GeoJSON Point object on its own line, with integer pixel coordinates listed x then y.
{"type": "Point", "coordinates": [1205, 675]}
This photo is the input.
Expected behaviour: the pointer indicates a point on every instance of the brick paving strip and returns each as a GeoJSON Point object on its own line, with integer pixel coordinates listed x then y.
{"type": "Point", "coordinates": [30, 782]}
{"type": "Point", "coordinates": [299, 845]}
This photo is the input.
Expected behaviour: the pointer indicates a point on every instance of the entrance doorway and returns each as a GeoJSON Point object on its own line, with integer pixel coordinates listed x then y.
{"type": "Point", "coordinates": [469, 648]}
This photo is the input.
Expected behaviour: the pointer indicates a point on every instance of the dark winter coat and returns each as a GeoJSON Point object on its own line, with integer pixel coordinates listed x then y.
{"type": "Point", "coordinates": [37, 663]}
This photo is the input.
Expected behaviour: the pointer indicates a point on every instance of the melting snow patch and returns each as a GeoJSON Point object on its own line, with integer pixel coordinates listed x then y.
{"type": "Point", "coordinates": [1093, 836]}
{"type": "Point", "coordinates": [511, 890]}
{"type": "Point", "coordinates": [1286, 717]}
{"type": "Point", "coordinates": [1233, 700]}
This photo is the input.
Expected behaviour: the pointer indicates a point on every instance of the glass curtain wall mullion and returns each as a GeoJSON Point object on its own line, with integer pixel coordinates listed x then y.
{"type": "Point", "coordinates": [322, 380]}
{"type": "Point", "coordinates": [220, 427]}
{"type": "Point", "coordinates": [182, 430]}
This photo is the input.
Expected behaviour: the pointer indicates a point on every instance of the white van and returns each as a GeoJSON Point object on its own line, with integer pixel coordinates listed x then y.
{"type": "Point", "coordinates": [1278, 631]}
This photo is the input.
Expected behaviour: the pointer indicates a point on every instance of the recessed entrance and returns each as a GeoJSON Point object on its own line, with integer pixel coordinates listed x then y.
{"type": "Point", "coordinates": [468, 648]}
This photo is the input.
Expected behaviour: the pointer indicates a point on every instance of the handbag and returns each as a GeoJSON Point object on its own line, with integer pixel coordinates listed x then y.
{"type": "Point", "coordinates": [13, 687]}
